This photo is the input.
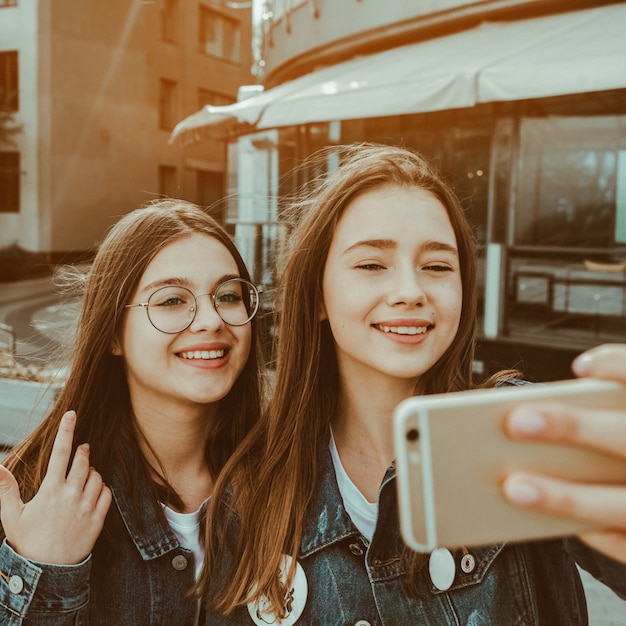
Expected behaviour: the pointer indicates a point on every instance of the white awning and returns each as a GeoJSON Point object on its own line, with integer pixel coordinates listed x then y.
{"type": "Point", "coordinates": [565, 53]}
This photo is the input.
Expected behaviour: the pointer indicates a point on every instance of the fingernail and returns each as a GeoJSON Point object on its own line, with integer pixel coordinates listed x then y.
{"type": "Point", "coordinates": [581, 365]}
{"type": "Point", "coordinates": [527, 422]}
{"type": "Point", "coordinates": [521, 491]}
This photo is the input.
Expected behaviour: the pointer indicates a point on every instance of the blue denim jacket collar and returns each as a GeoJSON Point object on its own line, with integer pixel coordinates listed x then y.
{"type": "Point", "coordinates": [327, 521]}
{"type": "Point", "coordinates": [144, 522]}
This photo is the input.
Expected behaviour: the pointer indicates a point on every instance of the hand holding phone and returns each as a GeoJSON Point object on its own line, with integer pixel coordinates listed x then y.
{"type": "Point", "coordinates": [452, 456]}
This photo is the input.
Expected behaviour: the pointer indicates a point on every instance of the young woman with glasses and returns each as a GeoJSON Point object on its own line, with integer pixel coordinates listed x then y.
{"type": "Point", "coordinates": [378, 303]}
{"type": "Point", "coordinates": [102, 506]}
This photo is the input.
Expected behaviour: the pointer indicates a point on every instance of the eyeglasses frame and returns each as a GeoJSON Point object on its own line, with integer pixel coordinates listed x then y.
{"type": "Point", "coordinates": [258, 290]}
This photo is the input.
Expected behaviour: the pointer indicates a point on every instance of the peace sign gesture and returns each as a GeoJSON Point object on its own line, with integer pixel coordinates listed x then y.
{"type": "Point", "coordinates": [61, 523]}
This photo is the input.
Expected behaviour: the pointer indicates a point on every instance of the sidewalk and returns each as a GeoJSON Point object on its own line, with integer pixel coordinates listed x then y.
{"type": "Point", "coordinates": [15, 296]}
{"type": "Point", "coordinates": [24, 289]}
{"type": "Point", "coordinates": [605, 608]}
{"type": "Point", "coordinates": [32, 309]}
{"type": "Point", "coordinates": [23, 306]}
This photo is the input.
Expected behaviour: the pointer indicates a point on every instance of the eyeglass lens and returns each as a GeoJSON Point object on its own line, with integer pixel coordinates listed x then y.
{"type": "Point", "coordinates": [173, 308]}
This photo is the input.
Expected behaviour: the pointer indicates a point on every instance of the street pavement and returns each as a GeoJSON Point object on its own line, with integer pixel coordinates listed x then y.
{"type": "Point", "coordinates": [43, 323]}
{"type": "Point", "coordinates": [42, 319]}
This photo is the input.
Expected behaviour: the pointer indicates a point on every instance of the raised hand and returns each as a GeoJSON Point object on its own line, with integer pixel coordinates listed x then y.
{"type": "Point", "coordinates": [599, 429]}
{"type": "Point", "coordinates": [61, 523]}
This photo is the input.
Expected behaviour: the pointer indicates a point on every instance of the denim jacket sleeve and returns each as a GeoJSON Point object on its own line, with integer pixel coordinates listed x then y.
{"type": "Point", "coordinates": [37, 593]}
{"type": "Point", "coordinates": [603, 568]}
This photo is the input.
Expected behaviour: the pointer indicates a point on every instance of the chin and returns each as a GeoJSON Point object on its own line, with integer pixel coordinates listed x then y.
{"type": "Point", "coordinates": [207, 398]}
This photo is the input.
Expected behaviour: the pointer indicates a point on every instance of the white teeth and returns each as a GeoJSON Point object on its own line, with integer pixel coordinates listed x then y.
{"type": "Point", "coordinates": [203, 354]}
{"type": "Point", "coordinates": [404, 330]}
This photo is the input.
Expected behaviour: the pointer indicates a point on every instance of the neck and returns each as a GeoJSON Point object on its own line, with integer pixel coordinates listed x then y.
{"type": "Point", "coordinates": [174, 443]}
{"type": "Point", "coordinates": [363, 431]}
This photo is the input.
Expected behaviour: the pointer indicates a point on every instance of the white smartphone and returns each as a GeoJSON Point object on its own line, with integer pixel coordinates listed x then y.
{"type": "Point", "coordinates": [452, 455]}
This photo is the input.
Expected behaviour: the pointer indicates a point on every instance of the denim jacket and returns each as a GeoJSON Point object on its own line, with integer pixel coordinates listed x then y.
{"type": "Point", "coordinates": [352, 583]}
{"type": "Point", "coordinates": [144, 582]}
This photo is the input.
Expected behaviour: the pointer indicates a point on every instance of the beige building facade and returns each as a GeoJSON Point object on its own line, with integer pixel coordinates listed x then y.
{"type": "Point", "coordinates": [100, 87]}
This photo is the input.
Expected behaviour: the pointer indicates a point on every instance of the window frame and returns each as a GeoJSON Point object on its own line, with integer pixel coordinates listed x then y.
{"type": "Point", "coordinates": [232, 53]}
{"type": "Point", "coordinates": [170, 21]}
{"type": "Point", "coordinates": [9, 81]}
{"type": "Point", "coordinates": [168, 104]}
{"type": "Point", "coordinates": [168, 180]}
{"type": "Point", "coordinates": [10, 181]}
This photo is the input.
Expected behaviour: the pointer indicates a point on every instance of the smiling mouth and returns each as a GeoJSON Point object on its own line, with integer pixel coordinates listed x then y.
{"type": "Point", "coordinates": [403, 330]}
{"type": "Point", "coordinates": [205, 355]}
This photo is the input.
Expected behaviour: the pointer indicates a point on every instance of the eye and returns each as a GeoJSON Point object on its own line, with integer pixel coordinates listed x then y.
{"type": "Point", "coordinates": [370, 267]}
{"type": "Point", "coordinates": [169, 301]}
{"type": "Point", "coordinates": [171, 297]}
{"type": "Point", "coordinates": [438, 267]}
{"type": "Point", "coordinates": [228, 297]}
{"type": "Point", "coordinates": [172, 301]}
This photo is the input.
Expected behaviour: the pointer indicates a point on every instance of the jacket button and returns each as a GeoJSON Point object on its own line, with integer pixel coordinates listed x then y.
{"type": "Point", "coordinates": [356, 549]}
{"type": "Point", "coordinates": [468, 563]}
{"type": "Point", "coordinates": [16, 584]}
{"type": "Point", "coordinates": [362, 622]}
{"type": "Point", "coordinates": [179, 562]}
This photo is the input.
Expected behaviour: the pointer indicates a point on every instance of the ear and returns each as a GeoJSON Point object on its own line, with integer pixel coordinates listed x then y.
{"type": "Point", "coordinates": [322, 312]}
{"type": "Point", "coordinates": [116, 349]}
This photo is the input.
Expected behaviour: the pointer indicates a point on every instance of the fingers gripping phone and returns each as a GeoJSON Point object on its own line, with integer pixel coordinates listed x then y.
{"type": "Point", "coordinates": [452, 455]}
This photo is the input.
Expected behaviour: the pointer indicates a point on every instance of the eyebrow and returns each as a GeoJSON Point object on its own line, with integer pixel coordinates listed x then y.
{"type": "Point", "coordinates": [382, 244]}
{"type": "Point", "coordinates": [183, 282]}
{"type": "Point", "coordinates": [389, 244]}
{"type": "Point", "coordinates": [440, 246]}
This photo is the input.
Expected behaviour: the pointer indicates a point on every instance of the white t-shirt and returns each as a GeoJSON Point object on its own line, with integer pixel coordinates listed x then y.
{"type": "Point", "coordinates": [186, 527]}
{"type": "Point", "coordinates": [362, 513]}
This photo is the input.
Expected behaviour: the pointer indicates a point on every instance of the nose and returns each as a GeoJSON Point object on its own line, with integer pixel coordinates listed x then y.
{"type": "Point", "coordinates": [407, 288]}
{"type": "Point", "coordinates": [206, 317]}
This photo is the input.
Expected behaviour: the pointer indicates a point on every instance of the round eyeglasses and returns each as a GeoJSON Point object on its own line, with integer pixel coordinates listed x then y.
{"type": "Point", "coordinates": [172, 309]}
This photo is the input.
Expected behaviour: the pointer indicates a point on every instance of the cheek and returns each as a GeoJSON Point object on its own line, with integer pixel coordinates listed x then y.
{"type": "Point", "coordinates": [245, 341]}
{"type": "Point", "coordinates": [343, 298]}
{"type": "Point", "coordinates": [128, 332]}
{"type": "Point", "coordinates": [457, 307]}
{"type": "Point", "coordinates": [139, 340]}
{"type": "Point", "coordinates": [449, 307]}
{"type": "Point", "coordinates": [449, 296]}
{"type": "Point", "coordinates": [328, 303]}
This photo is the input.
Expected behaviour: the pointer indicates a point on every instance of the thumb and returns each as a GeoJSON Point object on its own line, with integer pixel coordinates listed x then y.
{"type": "Point", "coordinates": [604, 361]}
{"type": "Point", "coordinates": [10, 500]}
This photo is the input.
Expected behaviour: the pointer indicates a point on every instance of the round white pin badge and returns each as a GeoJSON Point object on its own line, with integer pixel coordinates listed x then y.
{"type": "Point", "coordinates": [295, 600]}
{"type": "Point", "coordinates": [441, 568]}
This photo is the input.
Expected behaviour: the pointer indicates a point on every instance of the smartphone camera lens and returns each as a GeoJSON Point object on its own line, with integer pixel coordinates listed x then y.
{"type": "Point", "coordinates": [413, 434]}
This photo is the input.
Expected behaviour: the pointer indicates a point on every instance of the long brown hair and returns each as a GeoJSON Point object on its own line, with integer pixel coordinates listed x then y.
{"type": "Point", "coordinates": [273, 473]}
{"type": "Point", "coordinates": [96, 387]}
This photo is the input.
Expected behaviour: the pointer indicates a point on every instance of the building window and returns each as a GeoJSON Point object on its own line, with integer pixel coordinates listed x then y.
{"type": "Point", "coordinates": [210, 192]}
{"type": "Point", "coordinates": [169, 21]}
{"type": "Point", "coordinates": [206, 96]}
{"type": "Point", "coordinates": [9, 87]}
{"type": "Point", "coordinates": [167, 181]}
{"type": "Point", "coordinates": [573, 193]}
{"type": "Point", "coordinates": [565, 284]}
{"type": "Point", "coordinates": [219, 35]}
{"type": "Point", "coordinates": [9, 182]}
{"type": "Point", "coordinates": [167, 104]}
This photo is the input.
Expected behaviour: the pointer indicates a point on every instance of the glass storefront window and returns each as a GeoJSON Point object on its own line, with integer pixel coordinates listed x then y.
{"type": "Point", "coordinates": [458, 144]}
{"type": "Point", "coordinates": [568, 182]}
{"type": "Point", "coordinates": [566, 278]}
